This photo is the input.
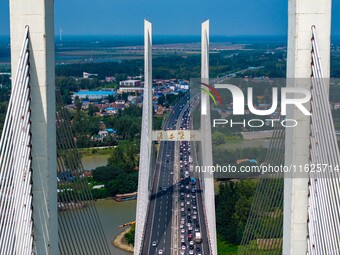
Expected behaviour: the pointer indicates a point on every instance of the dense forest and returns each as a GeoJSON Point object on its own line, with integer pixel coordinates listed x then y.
{"type": "Point", "coordinates": [120, 175]}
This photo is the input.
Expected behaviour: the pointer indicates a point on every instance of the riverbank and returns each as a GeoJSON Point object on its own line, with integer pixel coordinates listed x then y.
{"type": "Point", "coordinates": [121, 243]}
{"type": "Point", "coordinates": [105, 150]}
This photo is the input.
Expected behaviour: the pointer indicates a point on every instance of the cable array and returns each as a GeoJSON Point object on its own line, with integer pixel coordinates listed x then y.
{"type": "Point", "coordinates": [80, 230]}
{"type": "Point", "coordinates": [16, 224]}
{"type": "Point", "coordinates": [263, 231]}
{"type": "Point", "coordinates": [324, 187]}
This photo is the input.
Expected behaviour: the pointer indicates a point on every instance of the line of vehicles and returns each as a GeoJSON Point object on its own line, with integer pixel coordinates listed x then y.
{"type": "Point", "coordinates": [190, 233]}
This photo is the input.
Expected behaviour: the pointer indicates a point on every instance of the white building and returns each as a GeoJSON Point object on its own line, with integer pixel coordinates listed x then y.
{"type": "Point", "coordinates": [130, 83]}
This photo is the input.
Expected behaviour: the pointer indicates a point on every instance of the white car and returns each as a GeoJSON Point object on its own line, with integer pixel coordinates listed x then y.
{"type": "Point", "coordinates": [182, 230]}
{"type": "Point", "coordinates": [191, 252]}
{"type": "Point", "coordinates": [181, 226]}
{"type": "Point", "coordinates": [160, 251]}
{"type": "Point", "coordinates": [154, 243]}
{"type": "Point", "coordinates": [182, 252]}
{"type": "Point", "coordinates": [188, 202]}
{"type": "Point", "coordinates": [191, 242]}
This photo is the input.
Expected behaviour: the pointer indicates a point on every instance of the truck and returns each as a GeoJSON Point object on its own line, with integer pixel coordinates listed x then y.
{"type": "Point", "coordinates": [198, 237]}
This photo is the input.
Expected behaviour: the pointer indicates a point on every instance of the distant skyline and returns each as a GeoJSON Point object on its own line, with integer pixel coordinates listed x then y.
{"type": "Point", "coordinates": [176, 17]}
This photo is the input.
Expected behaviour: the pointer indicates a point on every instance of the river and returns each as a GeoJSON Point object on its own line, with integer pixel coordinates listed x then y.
{"type": "Point", "coordinates": [111, 213]}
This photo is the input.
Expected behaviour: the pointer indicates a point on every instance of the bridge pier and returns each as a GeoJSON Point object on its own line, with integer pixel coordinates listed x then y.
{"type": "Point", "coordinates": [302, 15]}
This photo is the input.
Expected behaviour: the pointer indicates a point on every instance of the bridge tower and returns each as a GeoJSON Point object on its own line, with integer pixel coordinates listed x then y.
{"type": "Point", "coordinates": [302, 16]}
{"type": "Point", "coordinates": [207, 158]}
{"type": "Point", "coordinates": [38, 15]}
{"type": "Point", "coordinates": [146, 142]}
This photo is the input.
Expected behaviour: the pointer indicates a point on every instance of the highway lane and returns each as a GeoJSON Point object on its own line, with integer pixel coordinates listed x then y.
{"type": "Point", "coordinates": [158, 232]}
{"type": "Point", "coordinates": [191, 203]}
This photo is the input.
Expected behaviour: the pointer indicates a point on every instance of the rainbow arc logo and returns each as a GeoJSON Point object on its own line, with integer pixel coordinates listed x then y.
{"type": "Point", "coordinates": [210, 91]}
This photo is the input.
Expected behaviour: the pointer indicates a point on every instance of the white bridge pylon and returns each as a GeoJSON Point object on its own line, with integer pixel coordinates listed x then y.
{"type": "Point", "coordinates": [149, 135]}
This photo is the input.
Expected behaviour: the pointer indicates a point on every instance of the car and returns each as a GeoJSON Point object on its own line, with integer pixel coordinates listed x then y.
{"type": "Point", "coordinates": [182, 230]}
{"type": "Point", "coordinates": [182, 209]}
{"type": "Point", "coordinates": [198, 249]}
{"type": "Point", "coordinates": [181, 226]}
{"type": "Point", "coordinates": [191, 252]}
{"type": "Point", "coordinates": [160, 251]}
{"type": "Point", "coordinates": [182, 252]}
{"type": "Point", "coordinates": [194, 217]}
{"type": "Point", "coordinates": [154, 243]}
{"type": "Point", "coordinates": [182, 203]}
{"type": "Point", "coordinates": [197, 230]}
{"type": "Point", "coordinates": [191, 242]}
{"type": "Point", "coordinates": [188, 202]}
{"type": "Point", "coordinates": [191, 247]}
{"type": "Point", "coordinates": [183, 247]}
{"type": "Point", "coordinates": [182, 240]}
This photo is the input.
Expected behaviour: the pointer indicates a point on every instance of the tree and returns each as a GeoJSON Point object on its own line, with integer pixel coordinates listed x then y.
{"type": "Point", "coordinates": [78, 103]}
{"type": "Point", "coordinates": [218, 138]}
{"type": "Point", "coordinates": [92, 110]}
{"type": "Point", "coordinates": [107, 173]}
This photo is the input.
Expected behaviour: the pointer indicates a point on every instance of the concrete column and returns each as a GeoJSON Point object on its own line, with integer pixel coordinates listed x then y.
{"type": "Point", "coordinates": [208, 193]}
{"type": "Point", "coordinates": [146, 142]}
{"type": "Point", "coordinates": [302, 15]}
{"type": "Point", "coordinates": [39, 16]}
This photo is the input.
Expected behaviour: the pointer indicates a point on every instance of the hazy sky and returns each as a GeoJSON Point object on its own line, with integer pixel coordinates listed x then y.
{"type": "Point", "coordinates": [171, 17]}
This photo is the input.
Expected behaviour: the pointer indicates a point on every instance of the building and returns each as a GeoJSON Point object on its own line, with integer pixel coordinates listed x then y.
{"type": "Point", "coordinates": [89, 75]}
{"type": "Point", "coordinates": [122, 90]}
{"type": "Point", "coordinates": [130, 83]}
{"type": "Point", "coordinates": [93, 95]}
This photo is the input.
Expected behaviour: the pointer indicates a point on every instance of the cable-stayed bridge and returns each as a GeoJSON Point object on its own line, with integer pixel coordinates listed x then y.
{"type": "Point", "coordinates": [293, 214]}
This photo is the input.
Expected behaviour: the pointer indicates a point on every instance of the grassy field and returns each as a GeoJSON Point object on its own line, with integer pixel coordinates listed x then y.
{"type": "Point", "coordinates": [232, 144]}
{"type": "Point", "coordinates": [226, 249]}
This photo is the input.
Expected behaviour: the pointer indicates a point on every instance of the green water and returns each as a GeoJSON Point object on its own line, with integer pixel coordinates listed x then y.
{"type": "Point", "coordinates": [111, 213]}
